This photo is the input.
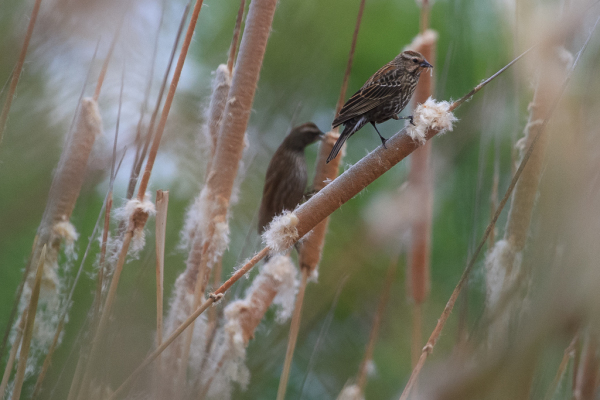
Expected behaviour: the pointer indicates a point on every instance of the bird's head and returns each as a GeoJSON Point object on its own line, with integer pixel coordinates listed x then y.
{"type": "Point", "coordinates": [303, 135]}
{"type": "Point", "coordinates": [412, 61]}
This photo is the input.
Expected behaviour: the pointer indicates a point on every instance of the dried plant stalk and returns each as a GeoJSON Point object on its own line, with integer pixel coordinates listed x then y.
{"type": "Point", "coordinates": [162, 204]}
{"type": "Point", "coordinates": [28, 333]}
{"type": "Point", "coordinates": [13, 354]}
{"type": "Point", "coordinates": [568, 354]}
{"type": "Point", "coordinates": [293, 337]}
{"type": "Point", "coordinates": [311, 249]}
{"type": "Point", "coordinates": [586, 381]}
{"type": "Point", "coordinates": [18, 68]}
{"type": "Point", "coordinates": [420, 180]}
{"type": "Point", "coordinates": [168, 101]}
{"type": "Point", "coordinates": [236, 36]}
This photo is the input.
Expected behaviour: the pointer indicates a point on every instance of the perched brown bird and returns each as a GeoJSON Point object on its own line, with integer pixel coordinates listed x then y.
{"type": "Point", "coordinates": [287, 175]}
{"type": "Point", "coordinates": [381, 98]}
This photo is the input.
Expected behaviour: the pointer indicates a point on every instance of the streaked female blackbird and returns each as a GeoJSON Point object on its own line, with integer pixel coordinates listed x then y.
{"type": "Point", "coordinates": [381, 98]}
{"type": "Point", "coordinates": [287, 175]}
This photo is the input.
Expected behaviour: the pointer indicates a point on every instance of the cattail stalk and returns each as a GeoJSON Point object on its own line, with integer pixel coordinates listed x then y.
{"type": "Point", "coordinates": [568, 355]}
{"type": "Point", "coordinates": [28, 333]}
{"type": "Point", "coordinates": [293, 337]}
{"type": "Point", "coordinates": [333, 196]}
{"type": "Point", "coordinates": [55, 227]}
{"type": "Point", "coordinates": [420, 180]}
{"type": "Point", "coordinates": [586, 381]}
{"type": "Point", "coordinates": [13, 354]}
{"type": "Point", "coordinates": [162, 203]}
{"type": "Point", "coordinates": [18, 68]}
{"type": "Point", "coordinates": [230, 144]}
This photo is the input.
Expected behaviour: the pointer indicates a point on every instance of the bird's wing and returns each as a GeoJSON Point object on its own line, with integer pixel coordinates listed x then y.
{"type": "Point", "coordinates": [380, 87]}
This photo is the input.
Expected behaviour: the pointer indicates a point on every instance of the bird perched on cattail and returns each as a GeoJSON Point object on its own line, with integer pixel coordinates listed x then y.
{"type": "Point", "coordinates": [286, 178]}
{"type": "Point", "coordinates": [381, 98]}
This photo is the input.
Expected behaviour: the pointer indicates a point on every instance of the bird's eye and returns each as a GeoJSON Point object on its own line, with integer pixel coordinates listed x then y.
{"type": "Point", "coordinates": [415, 60]}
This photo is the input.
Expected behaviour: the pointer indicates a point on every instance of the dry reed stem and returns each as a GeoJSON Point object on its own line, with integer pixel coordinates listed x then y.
{"type": "Point", "coordinates": [562, 367]}
{"type": "Point", "coordinates": [344, 87]}
{"type": "Point", "coordinates": [169, 101]}
{"type": "Point", "coordinates": [311, 250]}
{"type": "Point", "coordinates": [18, 68]}
{"type": "Point", "coordinates": [162, 204]}
{"type": "Point", "coordinates": [383, 300]}
{"type": "Point", "coordinates": [450, 304]}
{"type": "Point", "coordinates": [13, 354]}
{"type": "Point", "coordinates": [236, 36]}
{"type": "Point", "coordinates": [104, 69]}
{"type": "Point", "coordinates": [28, 332]}
{"type": "Point", "coordinates": [17, 300]}
{"type": "Point", "coordinates": [101, 266]}
{"type": "Point", "coordinates": [424, 22]}
{"type": "Point", "coordinates": [103, 322]}
{"type": "Point", "coordinates": [293, 337]}
{"type": "Point", "coordinates": [586, 381]}
{"type": "Point", "coordinates": [214, 297]}
{"type": "Point", "coordinates": [323, 204]}
{"type": "Point", "coordinates": [135, 172]}
{"type": "Point", "coordinates": [47, 360]}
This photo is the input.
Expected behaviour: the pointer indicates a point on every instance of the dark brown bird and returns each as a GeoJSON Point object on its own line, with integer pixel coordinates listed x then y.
{"type": "Point", "coordinates": [285, 181]}
{"type": "Point", "coordinates": [381, 98]}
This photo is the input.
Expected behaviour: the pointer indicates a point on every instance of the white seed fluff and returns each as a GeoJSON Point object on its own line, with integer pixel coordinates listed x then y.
{"type": "Point", "coordinates": [351, 392]}
{"type": "Point", "coordinates": [282, 232]}
{"type": "Point", "coordinates": [430, 115]}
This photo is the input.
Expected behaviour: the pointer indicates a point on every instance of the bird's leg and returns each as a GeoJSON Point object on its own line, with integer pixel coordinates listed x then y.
{"type": "Point", "coordinates": [410, 118]}
{"type": "Point", "coordinates": [383, 140]}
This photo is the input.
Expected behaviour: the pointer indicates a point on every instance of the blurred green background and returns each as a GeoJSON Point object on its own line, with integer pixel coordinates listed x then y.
{"type": "Point", "coordinates": [301, 78]}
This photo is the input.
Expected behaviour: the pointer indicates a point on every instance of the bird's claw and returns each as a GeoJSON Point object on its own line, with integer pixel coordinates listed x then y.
{"type": "Point", "coordinates": [383, 143]}
{"type": "Point", "coordinates": [412, 122]}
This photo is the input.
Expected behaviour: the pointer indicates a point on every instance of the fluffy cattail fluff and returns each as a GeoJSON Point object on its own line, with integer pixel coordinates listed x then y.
{"type": "Point", "coordinates": [502, 266]}
{"type": "Point", "coordinates": [55, 228]}
{"type": "Point", "coordinates": [281, 233]}
{"type": "Point", "coordinates": [276, 284]}
{"type": "Point", "coordinates": [214, 113]}
{"type": "Point", "coordinates": [135, 213]}
{"type": "Point", "coordinates": [351, 392]}
{"type": "Point", "coordinates": [431, 115]}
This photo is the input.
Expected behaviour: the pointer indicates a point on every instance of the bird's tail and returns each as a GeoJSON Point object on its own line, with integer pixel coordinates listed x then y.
{"type": "Point", "coordinates": [349, 130]}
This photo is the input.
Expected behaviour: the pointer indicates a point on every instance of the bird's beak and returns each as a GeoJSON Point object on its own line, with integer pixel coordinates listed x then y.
{"type": "Point", "coordinates": [425, 64]}
{"type": "Point", "coordinates": [322, 136]}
